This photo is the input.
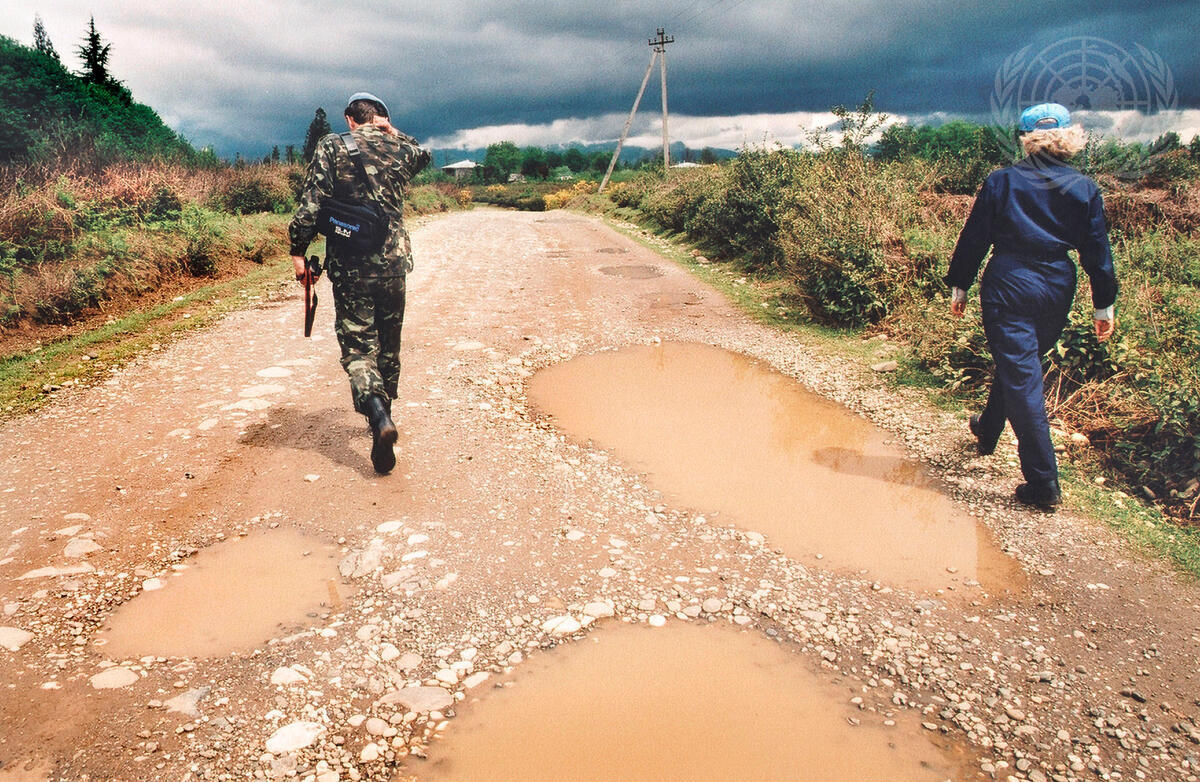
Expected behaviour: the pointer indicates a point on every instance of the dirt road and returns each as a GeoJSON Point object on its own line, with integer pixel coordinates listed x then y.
{"type": "Point", "coordinates": [201, 577]}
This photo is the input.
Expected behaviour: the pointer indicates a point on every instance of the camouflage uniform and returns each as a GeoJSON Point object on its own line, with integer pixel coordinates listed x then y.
{"type": "Point", "coordinates": [368, 292]}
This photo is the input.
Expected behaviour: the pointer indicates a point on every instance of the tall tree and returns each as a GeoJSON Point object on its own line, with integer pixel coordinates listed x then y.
{"type": "Point", "coordinates": [504, 158]}
{"type": "Point", "coordinates": [41, 41]}
{"type": "Point", "coordinates": [94, 54]}
{"type": "Point", "coordinates": [290, 153]}
{"type": "Point", "coordinates": [275, 154]}
{"type": "Point", "coordinates": [318, 128]}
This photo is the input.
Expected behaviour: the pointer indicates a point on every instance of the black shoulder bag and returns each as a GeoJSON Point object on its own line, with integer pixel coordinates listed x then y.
{"type": "Point", "coordinates": [351, 228]}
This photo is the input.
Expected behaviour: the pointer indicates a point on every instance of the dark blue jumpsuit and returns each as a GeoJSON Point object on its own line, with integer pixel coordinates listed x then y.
{"type": "Point", "coordinates": [1031, 214]}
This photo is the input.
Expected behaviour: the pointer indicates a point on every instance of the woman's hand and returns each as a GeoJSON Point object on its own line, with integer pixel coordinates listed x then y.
{"type": "Point", "coordinates": [958, 309]}
{"type": "Point", "coordinates": [1104, 328]}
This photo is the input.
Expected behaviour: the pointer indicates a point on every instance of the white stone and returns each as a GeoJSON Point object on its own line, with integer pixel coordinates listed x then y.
{"type": "Point", "coordinates": [81, 547]}
{"type": "Point", "coordinates": [13, 638]}
{"type": "Point", "coordinates": [369, 754]}
{"type": "Point", "coordinates": [419, 699]}
{"type": "Point", "coordinates": [367, 632]}
{"type": "Point", "coordinates": [51, 572]}
{"type": "Point", "coordinates": [388, 652]}
{"type": "Point", "coordinates": [208, 423]}
{"type": "Point", "coordinates": [574, 535]}
{"type": "Point", "coordinates": [114, 678]}
{"type": "Point", "coordinates": [558, 626]}
{"type": "Point", "coordinates": [274, 372]}
{"type": "Point", "coordinates": [463, 347]}
{"type": "Point", "coordinates": [414, 555]}
{"type": "Point", "coordinates": [152, 584]}
{"type": "Point", "coordinates": [187, 703]}
{"type": "Point", "coordinates": [389, 527]}
{"type": "Point", "coordinates": [607, 572]}
{"type": "Point", "coordinates": [410, 661]}
{"type": "Point", "coordinates": [417, 539]}
{"type": "Point", "coordinates": [376, 726]}
{"type": "Point", "coordinates": [658, 620]}
{"type": "Point", "coordinates": [69, 532]}
{"type": "Point", "coordinates": [261, 390]}
{"type": "Point", "coordinates": [476, 679]}
{"type": "Point", "coordinates": [598, 610]}
{"type": "Point", "coordinates": [312, 477]}
{"type": "Point", "coordinates": [285, 676]}
{"type": "Point", "coordinates": [447, 676]}
{"type": "Point", "coordinates": [294, 736]}
{"type": "Point", "coordinates": [446, 581]}
{"type": "Point", "coordinates": [249, 405]}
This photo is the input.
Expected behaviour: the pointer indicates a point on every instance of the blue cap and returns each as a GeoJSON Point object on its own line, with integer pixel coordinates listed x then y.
{"type": "Point", "coordinates": [370, 97]}
{"type": "Point", "coordinates": [1045, 116]}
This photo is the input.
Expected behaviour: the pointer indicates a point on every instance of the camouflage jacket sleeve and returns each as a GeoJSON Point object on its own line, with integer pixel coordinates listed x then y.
{"type": "Point", "coordinates": [415, 158]}
{"type": "Point", "coordinates": [318, 184]}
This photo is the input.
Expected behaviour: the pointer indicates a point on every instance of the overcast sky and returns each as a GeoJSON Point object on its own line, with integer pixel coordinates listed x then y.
{"type": "Point", "coordinates": [243, 76]}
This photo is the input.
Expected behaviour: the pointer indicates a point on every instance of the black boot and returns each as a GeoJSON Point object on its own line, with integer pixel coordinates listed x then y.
{"type": "Point", "coordinates": [383, 432]}
{"type": "Point", "coordinates": [983, 447]}
{"type": "Point", "coordinates": [1046, 496]}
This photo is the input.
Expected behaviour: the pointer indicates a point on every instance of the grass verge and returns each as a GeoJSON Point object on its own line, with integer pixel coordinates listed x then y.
{"type": "Point", "coordinates": [29, 378]}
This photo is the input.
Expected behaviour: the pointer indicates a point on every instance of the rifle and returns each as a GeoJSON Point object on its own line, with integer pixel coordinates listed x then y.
{"type": "Point", "coordinates": [312, 273]}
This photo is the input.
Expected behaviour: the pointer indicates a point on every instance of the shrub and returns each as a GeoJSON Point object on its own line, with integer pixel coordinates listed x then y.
{"type": "Point", "coordinates": [254, 189]}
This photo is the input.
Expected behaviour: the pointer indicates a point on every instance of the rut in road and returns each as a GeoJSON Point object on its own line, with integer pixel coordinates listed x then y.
{"type": "Point", "coordinates": [500, 536]}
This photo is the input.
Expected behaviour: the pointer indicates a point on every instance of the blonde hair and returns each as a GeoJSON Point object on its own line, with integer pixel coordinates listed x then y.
{"type": "Point", "coordinates": [1060, 143]}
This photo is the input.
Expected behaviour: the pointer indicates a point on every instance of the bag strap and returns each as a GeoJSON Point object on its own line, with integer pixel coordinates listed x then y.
{"type": "Point", "coordinates": [356, 157]}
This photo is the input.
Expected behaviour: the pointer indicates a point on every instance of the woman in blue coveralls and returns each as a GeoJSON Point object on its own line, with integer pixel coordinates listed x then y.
{"type": "Point", "coordinates": [1031, 214]}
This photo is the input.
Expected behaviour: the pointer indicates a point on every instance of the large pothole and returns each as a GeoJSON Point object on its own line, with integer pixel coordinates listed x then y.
{"type": "Point", "coordinates": [730, 437]}
{"type": "Point", "coordinates": [233, 596]}
{"type": "Point", "coordinates": [684, 702]}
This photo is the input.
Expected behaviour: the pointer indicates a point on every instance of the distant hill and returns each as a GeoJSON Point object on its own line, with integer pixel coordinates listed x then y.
{"type": "Point", "coordinates": [629, 154]}
{"type": "Point", "coordinates": [50, 115]}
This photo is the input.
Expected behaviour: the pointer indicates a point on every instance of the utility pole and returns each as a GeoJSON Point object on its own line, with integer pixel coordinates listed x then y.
{"type": "Point", "coordinates": [658, 50]}
{"type": "Point", "coordinates": [659, 45]}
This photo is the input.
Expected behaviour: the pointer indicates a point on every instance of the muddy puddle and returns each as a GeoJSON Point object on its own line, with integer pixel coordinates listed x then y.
{"type": "Point", "coordinates": [684, 702]}
{"type": "Point", "coordinates": [632, 272]}
{"type": "Point", "coordinates": [233, 596]}
{"type": "Point", "coordinates": [748, 446]}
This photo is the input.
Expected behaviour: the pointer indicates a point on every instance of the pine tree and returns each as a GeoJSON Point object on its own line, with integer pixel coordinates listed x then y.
{"type": "Point", "coordinates": [317, 129]}
{"type": "Point", "coordinates": [275, 154]}
{"type": "Point", "coordinates": [41, 41]}
{"type": "Point", "coordinates": [94, 54]}
{"type": "Point", "coordinates": [290, 153]}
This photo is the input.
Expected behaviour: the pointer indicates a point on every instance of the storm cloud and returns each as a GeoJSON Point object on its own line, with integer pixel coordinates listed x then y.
{"type": "Point", "coordinates": [246, 76]}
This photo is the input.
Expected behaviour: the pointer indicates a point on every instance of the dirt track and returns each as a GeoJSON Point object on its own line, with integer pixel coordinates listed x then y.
{"type": "Point", "coordinates": [501, 523]}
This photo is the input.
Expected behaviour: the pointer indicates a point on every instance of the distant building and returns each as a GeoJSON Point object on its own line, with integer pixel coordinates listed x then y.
{"type": "Point", "coordinates": [463, 169]}
{"type": "Point", "coordinates": [686, 164]}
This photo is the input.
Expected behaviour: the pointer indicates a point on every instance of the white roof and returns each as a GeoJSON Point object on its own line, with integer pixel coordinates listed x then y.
{"type": "Point", "coordinates": [685, 164]}
{"type": "Point", "coordinates": [462, 164]}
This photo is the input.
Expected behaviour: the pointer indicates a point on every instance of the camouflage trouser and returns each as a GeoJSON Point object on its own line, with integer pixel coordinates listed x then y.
{"type": "Point", "coordinates": [370, 313]}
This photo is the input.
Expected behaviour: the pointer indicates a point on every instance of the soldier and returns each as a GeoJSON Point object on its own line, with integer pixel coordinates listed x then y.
{"type": "Point", "coordinates": [368, 291]}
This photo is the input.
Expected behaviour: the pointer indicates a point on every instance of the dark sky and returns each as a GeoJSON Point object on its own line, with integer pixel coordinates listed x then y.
{"type": "Point", "coordinates": [245, 76]}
